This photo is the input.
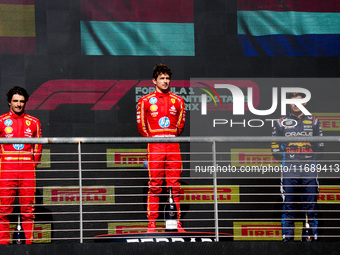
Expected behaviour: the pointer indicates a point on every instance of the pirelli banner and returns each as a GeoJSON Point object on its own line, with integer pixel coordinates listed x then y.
{"type": "Point", "coordinates": [125, 157]}
{"type": "Point", "coordinates": [105, 194]}
{"type": "Point", "coordinates": [205, 194]}
{"type": "Point", "coordinates": [263, 231]}
{"type": "Point", "coordinates": [252, 157]}
{"type": "Point", "coordinates": [329, 121]}
{"type": "Point", "coordinates": [99, 201]}
{"type": "Point", "coordinates": [132, 227]}
{"type": "Point", "coordinates": [71, 195]}
{"type": "Point", "coordinates": [329, 195]}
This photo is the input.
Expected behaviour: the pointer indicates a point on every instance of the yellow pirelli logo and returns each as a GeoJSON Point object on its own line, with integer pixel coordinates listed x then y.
{"type": "Point", "coordinates": [329, 121]}
{"type": "Point", "coordinates": [329, 195]}
{"type": "Point", "coordinates": [70, 195]}
{"type": "Point", "coordinates": [205, 194]}
{"type": "Point", "coordinates": [41, 232]}
{"type": "Point", "coordinates": [132, 227]}
{"type": "Point", "coordinates": [125, 157]}
{"type": "Point", "coordinates": [263, 231]}
{"type": "Point", "coordinates": [252, 157]}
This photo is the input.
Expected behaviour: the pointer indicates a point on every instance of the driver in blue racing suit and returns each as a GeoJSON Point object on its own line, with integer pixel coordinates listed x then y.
{"type": "Point", "coordinates": [299, 159]}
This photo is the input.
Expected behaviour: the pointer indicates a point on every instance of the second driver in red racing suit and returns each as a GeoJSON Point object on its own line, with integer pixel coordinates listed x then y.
{"type": "Point", "coordinates": [18, 163]}
{"type": "Point", "coordinates": [162, 114]}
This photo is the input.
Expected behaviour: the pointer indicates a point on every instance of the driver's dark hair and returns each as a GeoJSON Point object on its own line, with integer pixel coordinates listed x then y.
{"type": "Point", "coordinates": [19, 91]}
{"type": "Point", "coordinates": [161, 69]}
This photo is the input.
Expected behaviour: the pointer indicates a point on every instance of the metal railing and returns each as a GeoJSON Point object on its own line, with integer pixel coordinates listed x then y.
{"type": "Point", "coordinates": [123, 141]}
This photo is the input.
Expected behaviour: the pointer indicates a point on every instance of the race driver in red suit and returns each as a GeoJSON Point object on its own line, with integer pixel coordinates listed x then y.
{"type": "Point", "coordinates": [162, 114]}
{"type": "Point", "coordinates": [18, 163]}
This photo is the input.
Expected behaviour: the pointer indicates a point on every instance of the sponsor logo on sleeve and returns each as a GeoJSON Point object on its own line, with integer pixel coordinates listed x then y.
{"type": "Point", "coordinates": [153, 100]}
{"type": "Point", "coordinates": [153, 108]}
{"type": "Point", "coordinates": [8, 122]}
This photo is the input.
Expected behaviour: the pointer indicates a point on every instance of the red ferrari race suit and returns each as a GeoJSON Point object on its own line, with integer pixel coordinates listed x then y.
{"type": "Point", "coordinates": [162, 115]}
{"type": "Point", "coordinates": [18, 162]}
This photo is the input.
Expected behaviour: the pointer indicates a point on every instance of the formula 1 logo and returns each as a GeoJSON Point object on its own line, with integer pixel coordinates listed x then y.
{"type": "Point", "coordinates": [104, 94]}
{"type": "Point", "coordinates": [164, 122]}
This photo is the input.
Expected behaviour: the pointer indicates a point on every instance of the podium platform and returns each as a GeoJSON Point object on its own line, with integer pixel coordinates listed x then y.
{"type": "Point", "coordinates": [159, 237]}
